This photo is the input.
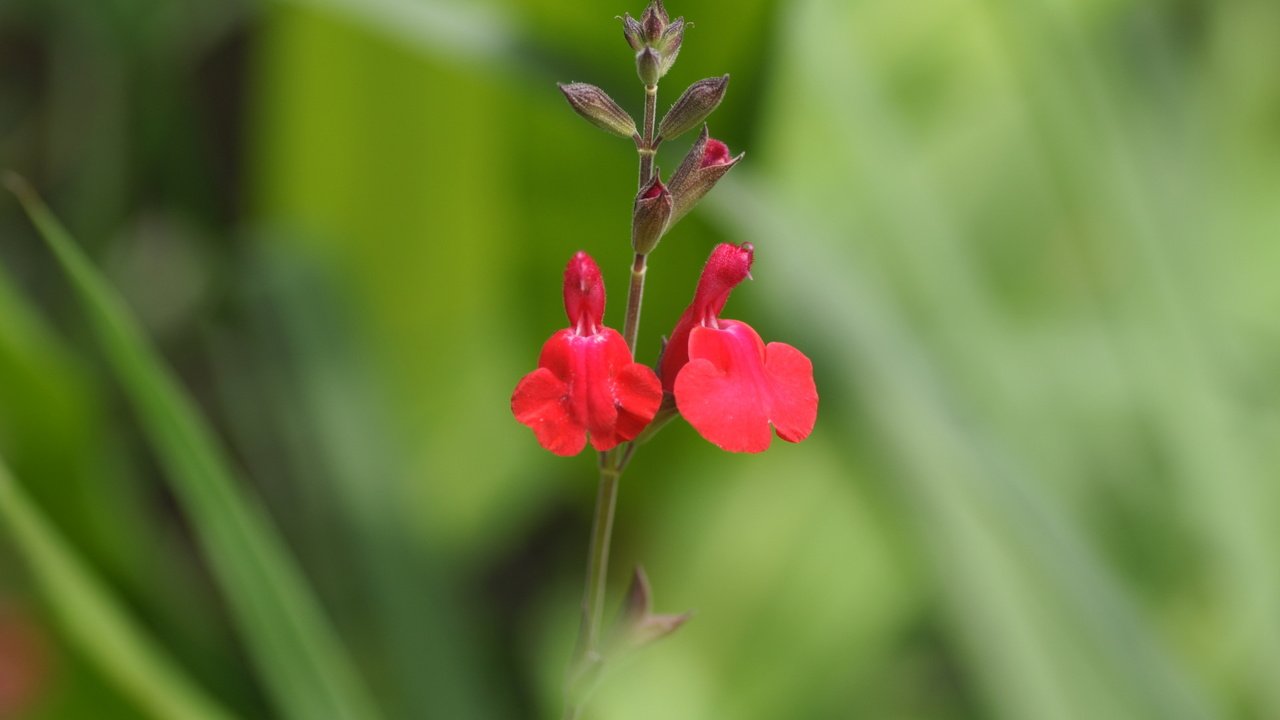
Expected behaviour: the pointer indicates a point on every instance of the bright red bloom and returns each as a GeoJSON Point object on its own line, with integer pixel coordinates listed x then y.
{"type": "Point", "coordinates": [586, 382]}
{"type": "Point", "coordinates": [728, 383]}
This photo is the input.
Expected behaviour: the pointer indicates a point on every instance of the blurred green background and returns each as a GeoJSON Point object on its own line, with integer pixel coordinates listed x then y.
{"type": "Point", "coordinates": [1032, 247]}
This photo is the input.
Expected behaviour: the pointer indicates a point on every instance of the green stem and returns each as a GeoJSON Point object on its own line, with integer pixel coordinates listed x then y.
{"type": "Point", "coordinates": [587, 655]}
{"type": "Point", "coordinates": [646, 148]}
{"type": "Point", "coordinates": [635, 298]}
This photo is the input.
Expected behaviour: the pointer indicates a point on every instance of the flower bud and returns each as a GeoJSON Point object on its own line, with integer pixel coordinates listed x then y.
{"type": "Point", "coordinates": [649, 66]}
{"type": "Point", "coordinates": [668, 45]}
{"type": "Point", "coordinates": [697, 102]}
{"type": "Point", "coordinates": [649, 215]}
{"type": "Point", "coordinates": [599, 109]}
{"type": "Point", "coordinates": [656, 32]}
{"type": "Point", "coordinates": [654, 20]}
{"type": "Point", "coordinates": [633, 31]}
{"type": "Point", "coordinates": [707, 161]}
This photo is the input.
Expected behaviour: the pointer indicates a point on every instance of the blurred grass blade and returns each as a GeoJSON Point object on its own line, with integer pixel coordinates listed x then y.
{"type": "Point", "coordinates": [296, 652]}
{"type": "Point", "coordinates": [1052, 632]}
{"type": "Point", "coordinates": [92, 619]}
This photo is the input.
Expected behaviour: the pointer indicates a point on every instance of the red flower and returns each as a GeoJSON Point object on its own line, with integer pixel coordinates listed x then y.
{"type": "Point", "coordinates": [586, 382]}
{"type": "Point", "coordinates": [728, 384]}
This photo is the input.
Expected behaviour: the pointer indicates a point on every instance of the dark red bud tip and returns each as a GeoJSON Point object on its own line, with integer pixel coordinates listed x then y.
{"type": "Point", "coordinates": [584, 293]}
{"type": "Point", "coordinates": [655, 189]}
{"type": "Point", "coordinates": [714, 153]}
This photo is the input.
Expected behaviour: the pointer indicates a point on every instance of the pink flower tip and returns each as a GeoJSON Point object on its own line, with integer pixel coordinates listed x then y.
{"type": "Point", "coordinates": [654, 190]}
{"type": "Point", "coordinates": [714, 153]}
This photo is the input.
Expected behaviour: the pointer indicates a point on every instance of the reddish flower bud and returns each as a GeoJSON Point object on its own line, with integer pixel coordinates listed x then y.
{"type": "Point", "coordinates": [715, 153]}
{"type": "Point", "coordinates": [598, 108]}
{"type": "Point", "coordinates": [703, 166]}
{"type": "Point", "coordinates": [586, 384]}
{"type": "Point", "coordinates": [693, 106]}
{"type": "Point", "coordinates": [728, 384]}
{"type": "Point", "coordinates": [649, 216]}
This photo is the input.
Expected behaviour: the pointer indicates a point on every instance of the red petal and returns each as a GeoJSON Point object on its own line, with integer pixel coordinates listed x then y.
{"type": "Point", "coordinates": [795, 396]}
{"type": "Point", "coordinates": [587, 387]}
{"type": "Point", "coordinates": [733, 387]}
{"type": "Point", "coordinates": [721, 391]}
{"type": "Point", "coordinates": [639, 394]}
{"type": "Point", "coordinates": [539, 401]}
{"type": "Point", "coordinates": [556, 354]}
{"type": "Point", "coordinates": [591, 385]}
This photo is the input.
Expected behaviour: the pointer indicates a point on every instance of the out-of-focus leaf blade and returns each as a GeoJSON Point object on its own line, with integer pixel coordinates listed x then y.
{"type": "Point", "coordinates": [281, 623]}
{"type": "Point", "coordinates": [93, 620]}
{"type": "Point", "coordinates": [1032, 597]}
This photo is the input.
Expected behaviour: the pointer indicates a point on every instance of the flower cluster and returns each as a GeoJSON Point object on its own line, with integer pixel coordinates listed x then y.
{"type": "Point", "coordinates": [732, 387]}
{"type": "Point", "coordinates": [724, 380]}
{"type": "Point", "coordinates": [718, 374]}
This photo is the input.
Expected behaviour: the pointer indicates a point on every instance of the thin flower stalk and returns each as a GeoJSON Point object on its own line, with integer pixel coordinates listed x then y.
{"type": "Point", "coordinates": [717, 373]}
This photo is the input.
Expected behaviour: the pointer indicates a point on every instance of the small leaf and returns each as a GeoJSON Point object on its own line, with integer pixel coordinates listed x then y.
{"type": "Point", "coordinates": [637, 624]}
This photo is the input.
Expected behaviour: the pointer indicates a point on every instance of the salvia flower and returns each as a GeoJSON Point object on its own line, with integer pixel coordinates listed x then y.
{"type": "Point", "coordinates": [586, 384]}
{"type": "Point", "coordinates": [728, 384]}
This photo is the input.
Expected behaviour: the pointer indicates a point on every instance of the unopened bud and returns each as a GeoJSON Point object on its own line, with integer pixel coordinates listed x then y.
{"type": "Point", "coordinates": [654, 20]}
{"type": "Point", "coordinates": [649, 215]}
{"type": "Point", "coordinates": [668, 45]}
{"type": "Point", "coordinates": [599, 109]}
{"type": "Point", "coordinates": [633, 31]}
{"type": "Point", "coordinates": [697, 102]}
{"type": "Point", "coordinates": [649, 66]}
{"type": "Point", "coordinates": [707, 161]}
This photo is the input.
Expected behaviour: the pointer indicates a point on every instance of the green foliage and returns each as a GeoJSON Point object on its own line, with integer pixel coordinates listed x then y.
{"type": "Point", "coordinates": [280, 621]}
{"type": "Point", "coordinates": [1030, 248]}
{"type": "Point", "coordinates": [93, 619]}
